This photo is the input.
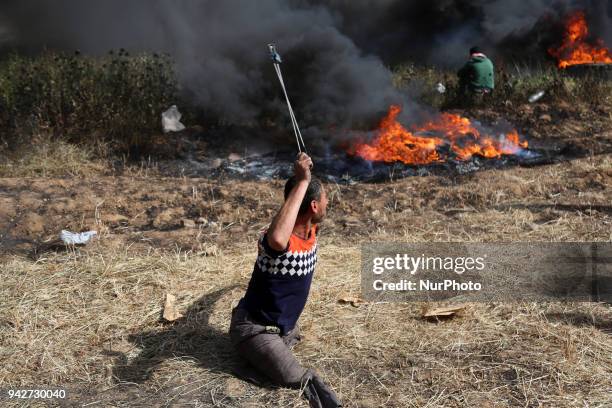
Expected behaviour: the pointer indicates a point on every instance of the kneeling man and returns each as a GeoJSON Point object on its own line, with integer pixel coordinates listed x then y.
{"type": "Point", "coordinates": [264, 324]}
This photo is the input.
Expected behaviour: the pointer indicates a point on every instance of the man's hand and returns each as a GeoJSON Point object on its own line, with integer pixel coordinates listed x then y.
{"type": "Point", "coordinates": [302, 167]}
{"type": "Point", "coordinates": [282, 225]}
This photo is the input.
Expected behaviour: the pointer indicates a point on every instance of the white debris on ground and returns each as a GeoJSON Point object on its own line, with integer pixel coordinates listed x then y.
{"type": "Point", "coordinates": [171, 312]}
{"type": "Point", "coordinates": [171, 120]}
{"type": "Point", "coordinates": [73, 238]}
{"type": "Point", "coordinates": [536, 96]}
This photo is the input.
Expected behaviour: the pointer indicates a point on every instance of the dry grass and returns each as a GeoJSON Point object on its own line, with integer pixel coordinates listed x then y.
{"type": "Point", "coordinates": [568, 201]}
{"type": "Point", "coordinates": [90, 320]}
{"type": "Point", "coordinates": [46, 158]}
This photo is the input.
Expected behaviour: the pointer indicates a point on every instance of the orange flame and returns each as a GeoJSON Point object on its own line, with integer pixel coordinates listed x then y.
{"type": "Point", "coordinates": [393, 142]}
{"type": "Point", "coordinates": [574, 49]}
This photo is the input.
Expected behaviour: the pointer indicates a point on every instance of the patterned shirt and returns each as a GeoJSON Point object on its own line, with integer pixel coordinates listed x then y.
{"type": "Point", "coordinates": [280, 282]}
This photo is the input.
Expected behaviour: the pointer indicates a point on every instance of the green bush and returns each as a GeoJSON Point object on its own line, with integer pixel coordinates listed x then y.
{"type": "Point", "coordinates": [118, 97]}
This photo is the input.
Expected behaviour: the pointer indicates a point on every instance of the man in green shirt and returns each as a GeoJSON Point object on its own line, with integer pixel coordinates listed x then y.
{"type": "Point", "coordinates": [477, 75]}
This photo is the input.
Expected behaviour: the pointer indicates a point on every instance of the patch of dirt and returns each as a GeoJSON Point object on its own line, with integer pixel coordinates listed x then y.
{"type": "Point", "coordinates": [154, 211]}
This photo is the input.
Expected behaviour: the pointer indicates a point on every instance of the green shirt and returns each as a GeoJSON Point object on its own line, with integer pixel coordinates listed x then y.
{"type": "Point", "coordinates": [477, 73]}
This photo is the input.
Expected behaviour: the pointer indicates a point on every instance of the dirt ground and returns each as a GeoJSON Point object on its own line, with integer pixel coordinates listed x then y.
{"type": "Point", "coordinates": [88, 319]}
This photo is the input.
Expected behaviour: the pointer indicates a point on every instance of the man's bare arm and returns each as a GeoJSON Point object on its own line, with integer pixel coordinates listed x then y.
{"type": "Point", "coordinates": [283, 223]}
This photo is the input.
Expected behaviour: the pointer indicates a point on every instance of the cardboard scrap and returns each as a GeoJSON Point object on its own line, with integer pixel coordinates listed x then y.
{"type": "Point", "coordinates": [170, 313]}
{"type": "Point", "coordinates": [354, 301]}
{"type": "Point", "coordinates": [443, 311]}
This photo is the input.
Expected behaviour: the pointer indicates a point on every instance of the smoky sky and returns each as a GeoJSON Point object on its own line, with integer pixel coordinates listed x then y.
{"type": "Point", "coordinates": [337, 53]}
{"type": "Point", "coordinates": [440, 31]}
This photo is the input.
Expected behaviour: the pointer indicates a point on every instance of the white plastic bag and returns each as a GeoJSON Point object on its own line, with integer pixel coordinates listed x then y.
{"type": "Point", "coordinates": [536, 96]}
{"type": "Point", "coordinates": [171, 120]}
{"type": "Point", "coordinates": [72, 238]}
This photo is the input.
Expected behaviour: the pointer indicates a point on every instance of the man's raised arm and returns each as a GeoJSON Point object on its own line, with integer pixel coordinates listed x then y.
{"type": "Point", "coordinates": [283, 223]}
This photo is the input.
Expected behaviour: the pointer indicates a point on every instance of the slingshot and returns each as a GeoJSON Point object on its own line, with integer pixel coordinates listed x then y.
{"type": "Point", "coordinates": [276, 60]}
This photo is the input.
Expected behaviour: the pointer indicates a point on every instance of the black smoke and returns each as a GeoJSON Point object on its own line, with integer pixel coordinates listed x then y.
{"type": "Point", "coordinates": [336, 52]}
{"type": "Point", "coordinates": [221, 51]}
{"type": "Point", "coordinates": [442, 31]}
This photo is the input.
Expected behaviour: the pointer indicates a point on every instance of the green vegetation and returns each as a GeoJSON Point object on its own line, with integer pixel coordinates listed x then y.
{"type": "Point", "coordinates": [117, 98]}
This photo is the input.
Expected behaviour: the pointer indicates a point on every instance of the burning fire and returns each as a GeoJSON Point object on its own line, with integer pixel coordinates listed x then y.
{"type": "Point", "coordinates": [574, 50]}
{"type": "Point", "coordinates": [393, 142]}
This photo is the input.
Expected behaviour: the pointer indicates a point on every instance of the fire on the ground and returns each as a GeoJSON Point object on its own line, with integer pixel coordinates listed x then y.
{"type": "Point", "coordinates": [394, 143]}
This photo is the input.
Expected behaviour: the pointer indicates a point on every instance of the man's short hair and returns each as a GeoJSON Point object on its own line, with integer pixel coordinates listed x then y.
{"type": "Point", "coordinates": [475, 50]}
{"type": "Point", "coordinates": [313, 192]}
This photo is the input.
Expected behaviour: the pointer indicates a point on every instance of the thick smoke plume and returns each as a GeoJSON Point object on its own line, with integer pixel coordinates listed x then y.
{"type": "Point", "coordinates": [221, 51]}
{"type": "Point", "coordinates": [336, 51]}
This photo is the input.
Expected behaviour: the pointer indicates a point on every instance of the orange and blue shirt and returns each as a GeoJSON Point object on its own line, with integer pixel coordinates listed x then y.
{"type": "Point", "coordinates": [280, 281]}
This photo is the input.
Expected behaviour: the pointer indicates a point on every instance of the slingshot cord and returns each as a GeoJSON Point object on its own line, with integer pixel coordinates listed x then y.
{"type": "Point", "coordinates": [296, 128]}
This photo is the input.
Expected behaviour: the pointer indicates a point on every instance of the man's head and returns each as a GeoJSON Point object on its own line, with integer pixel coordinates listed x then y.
{"type": "Point", "coordinates": [315, 199]}
{"type": "Point", "coordinates": [475, 50]}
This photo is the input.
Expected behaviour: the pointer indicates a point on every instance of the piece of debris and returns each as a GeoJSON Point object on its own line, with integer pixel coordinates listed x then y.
{"type": "Point", "coordinates": [187, 223]}
{"type": "Point", "coordinates": [233, 157]}
{"type": "Point", "coordinates": [202, 221]}
{"type": "Point", "coordinates": [440, 88]}
{"type": "Point", "coordinates": [354, 301]}
{"type": "Point", "coordinates": [536, 96]}
{"type": "Point", "coordinates": [170, 313]}
{"type": "Point", "coordinates": [448, 311]}
{"type": "Point", "coordinates": [73, 238]}
{"type": "Point", "coordinates": [171, 120]}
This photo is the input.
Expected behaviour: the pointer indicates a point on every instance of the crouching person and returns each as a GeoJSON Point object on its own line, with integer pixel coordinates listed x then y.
{"type": "Point", "coordinates": [477, 77]}
{"type": "Point", "coordinates": [264, 323]}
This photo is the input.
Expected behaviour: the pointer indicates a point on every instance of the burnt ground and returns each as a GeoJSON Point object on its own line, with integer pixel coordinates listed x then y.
{"type": "Point", "coordinates": [88, 318]}
{"type": "Point", "coordinates": [147, 207]}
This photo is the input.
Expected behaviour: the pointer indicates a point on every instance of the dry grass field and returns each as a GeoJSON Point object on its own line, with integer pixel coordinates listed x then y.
{"type": "Point", "coordinates": [89, 319]}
